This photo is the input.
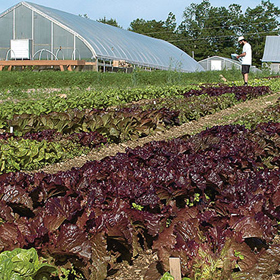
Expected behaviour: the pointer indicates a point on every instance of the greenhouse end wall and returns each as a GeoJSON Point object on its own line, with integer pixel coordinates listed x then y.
{"type": "Point", "coordinates": [49, 40]}
{"type": "Point", "coordinates": [57, 34]}
{"type": "Point", "coordinates": [6, 30]}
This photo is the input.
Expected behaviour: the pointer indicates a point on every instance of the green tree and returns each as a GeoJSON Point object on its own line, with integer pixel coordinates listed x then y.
{"type": "Point", "coordinates": [110, 21]}
{"type": "Point", "coordinates": [156, 29]}
{"type": "Point", "coordinates": [260, 22]}
{"type": "Point", "coordinates": [150, 28]}
{"type": "Point", "coordinates": [207, 31]}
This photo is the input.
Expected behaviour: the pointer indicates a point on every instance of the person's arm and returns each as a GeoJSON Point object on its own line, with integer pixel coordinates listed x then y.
{"type": "Point", "coordinates": [244, 50]}
{"type": "Point", "coordinates": [241, 55]}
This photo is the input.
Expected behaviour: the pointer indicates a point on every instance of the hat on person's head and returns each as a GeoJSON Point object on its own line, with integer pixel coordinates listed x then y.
{"type": "Point", "coordinates": [240, 38]}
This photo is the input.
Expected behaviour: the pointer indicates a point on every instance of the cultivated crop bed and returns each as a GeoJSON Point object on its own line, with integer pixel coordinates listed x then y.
{"type": "Point", "coordinates": [41, 138]}
{"type": "Point", "coordinates": [212, 198]}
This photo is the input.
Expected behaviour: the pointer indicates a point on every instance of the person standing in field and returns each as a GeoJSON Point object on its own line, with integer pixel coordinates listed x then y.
{"type": "Point", "coordinates": [246, 56]}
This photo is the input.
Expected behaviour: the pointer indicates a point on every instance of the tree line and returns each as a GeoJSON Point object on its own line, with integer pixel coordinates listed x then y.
{"type": "Point", "coordinates": [207, 31]}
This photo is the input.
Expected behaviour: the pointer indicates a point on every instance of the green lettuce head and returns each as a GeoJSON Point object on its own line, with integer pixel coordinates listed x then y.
{"type": "Point", "coordinates": [23, 264]}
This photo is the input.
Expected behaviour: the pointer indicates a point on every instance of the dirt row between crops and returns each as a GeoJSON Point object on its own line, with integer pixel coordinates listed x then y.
{"type": "Point", "coordinates": [223, 117]}
{"type": "Point", "coordinates": [140, 268]}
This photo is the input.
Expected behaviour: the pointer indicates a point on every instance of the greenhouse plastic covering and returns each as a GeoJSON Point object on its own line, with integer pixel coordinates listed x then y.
{"type": "Point", "coordinates": [107, 42]}
{"type": "Point", "coordinates": [272, 49]}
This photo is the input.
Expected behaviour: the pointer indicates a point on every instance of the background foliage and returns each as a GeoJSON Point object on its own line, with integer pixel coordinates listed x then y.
{"type": "Point", "coordinates": [206, 30]}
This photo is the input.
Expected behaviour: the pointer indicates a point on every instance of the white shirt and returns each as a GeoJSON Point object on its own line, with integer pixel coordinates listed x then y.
{"type": "Point", "coordinates": [247, 59]}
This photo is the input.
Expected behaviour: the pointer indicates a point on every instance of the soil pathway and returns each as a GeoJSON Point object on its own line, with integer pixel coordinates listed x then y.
{"type": "Point", "coordinates": [139, 269]}
{"type": "Point", "coordinates": [223, 117]}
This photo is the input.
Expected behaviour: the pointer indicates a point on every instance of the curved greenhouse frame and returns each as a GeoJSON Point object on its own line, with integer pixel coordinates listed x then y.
{"type": "Point", "coordinates": [55, 30]}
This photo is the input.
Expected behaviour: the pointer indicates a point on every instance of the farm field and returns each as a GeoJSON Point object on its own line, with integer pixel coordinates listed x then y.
{"type": "Point", "coordinates": [114, 188]}
{"type": "Point", "coordinates": [224, 117]}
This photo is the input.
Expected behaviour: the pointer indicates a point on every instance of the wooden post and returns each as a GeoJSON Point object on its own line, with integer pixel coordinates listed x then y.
{"type": "Point", "coordinates": [175, 268]}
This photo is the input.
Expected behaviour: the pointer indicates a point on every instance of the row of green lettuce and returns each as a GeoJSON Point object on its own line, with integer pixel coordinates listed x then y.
{"type": "Point", "coordinates": [86, 98]}
{"type": "Point", "coordinates": [17, 153]}
{"type": "Point", "coordinates": [25, 154]}
{"type": "Point", "coordinates": [11, 112]}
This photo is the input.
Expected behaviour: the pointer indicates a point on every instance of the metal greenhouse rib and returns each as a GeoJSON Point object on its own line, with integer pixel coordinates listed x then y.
{"type": "Point", "coordinates": [111, 43]}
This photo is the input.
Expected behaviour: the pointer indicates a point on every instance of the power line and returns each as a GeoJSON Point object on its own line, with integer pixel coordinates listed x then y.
{"type": "Point", "coordinates": [206, 28]}
{"type": "Point", "coordinates": [215, 37]}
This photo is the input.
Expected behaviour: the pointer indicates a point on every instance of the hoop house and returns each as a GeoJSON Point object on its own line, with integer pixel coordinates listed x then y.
{"type": "Point", "coordinates": [56, 34]}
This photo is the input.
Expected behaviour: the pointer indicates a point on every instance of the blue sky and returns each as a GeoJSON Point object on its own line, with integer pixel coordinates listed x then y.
{"type": "Point", "coordinates": [125, 11]}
